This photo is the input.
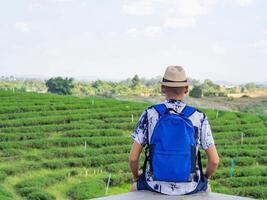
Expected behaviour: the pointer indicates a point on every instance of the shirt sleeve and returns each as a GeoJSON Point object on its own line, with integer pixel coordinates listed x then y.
{"type": "Point", "coordinates": [206, 138]}
{"type": "Point", "coordinates": [140, 131]}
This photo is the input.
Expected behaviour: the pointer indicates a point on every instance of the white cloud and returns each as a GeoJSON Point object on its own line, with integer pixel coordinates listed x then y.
{"type": "Point", "coordinates": [22, 27]}
{"type": "Point", "coordinates": [172, 22]}
{"type": "Point", "coordinates": [219, 49]}
{"type": "Point", "coordinates": [174, 14]}
{"type": "Point", "coordinates": [264, 52]}
{"type": "Point", "coordinates": [84, 4]}
{"type": "Point", "coordinates": [265, 31]}
{"type": "Point", "coordinates": [61, 0]}
{"type": "Point", "coordinates": [244, 2]}
{"type": "Point", "coordinates": [173, 52]}
{"type": "Point", "coordinates": [260, 44]}
{"type": "Point", "coordinates": [138, 7]}
{"type": "Point", "coordinates": [184, 13]}
{"type": "Point", "coordinates": [192, 8]}
{"type": "Point", "coordinates": [150, 31]}
{"type": "Point", "coordinates": [189, 8]}
{"type": "Point", "coordinates": [133, 32]}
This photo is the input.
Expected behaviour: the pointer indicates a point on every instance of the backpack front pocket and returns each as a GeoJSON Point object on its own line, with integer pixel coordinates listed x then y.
{"type": "Point", "coordinates": [171, 166]}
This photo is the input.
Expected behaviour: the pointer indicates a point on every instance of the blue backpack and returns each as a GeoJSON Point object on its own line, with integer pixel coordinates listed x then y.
{"type": "Point", "coordinates": [172, 149]}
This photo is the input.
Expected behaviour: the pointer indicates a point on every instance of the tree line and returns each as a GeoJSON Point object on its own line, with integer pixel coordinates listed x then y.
{"type": "Point", "coordinates": [134, 86]}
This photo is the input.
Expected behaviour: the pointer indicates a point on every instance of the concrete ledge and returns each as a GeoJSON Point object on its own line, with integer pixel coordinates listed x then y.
{"type": "Point", "coordinates": [146, 195]}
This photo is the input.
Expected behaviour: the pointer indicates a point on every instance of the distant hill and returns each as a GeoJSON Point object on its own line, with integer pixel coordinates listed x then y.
{"type": "Point", "coordinates": [229, 83]}
{"type": "Point", "coordinates": [262, 83]}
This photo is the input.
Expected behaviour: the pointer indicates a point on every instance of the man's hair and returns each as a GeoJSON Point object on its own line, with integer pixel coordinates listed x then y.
{"type": "Point", "coordinates": [174, 90]}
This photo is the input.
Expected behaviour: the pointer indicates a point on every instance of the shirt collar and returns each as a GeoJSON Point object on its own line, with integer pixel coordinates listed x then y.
{"type": "Point", "coordinates": [173, 101]}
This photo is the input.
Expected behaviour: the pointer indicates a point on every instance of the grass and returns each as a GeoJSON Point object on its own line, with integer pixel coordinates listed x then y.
{"type": "Point", "coordinates": [42, 135]}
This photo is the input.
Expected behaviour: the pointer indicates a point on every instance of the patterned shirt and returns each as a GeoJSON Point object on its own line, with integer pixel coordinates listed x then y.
{"type": "Point", "coordinates": [145, 126]}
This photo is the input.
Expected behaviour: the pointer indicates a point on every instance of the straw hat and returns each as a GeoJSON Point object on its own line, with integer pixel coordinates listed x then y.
{"type": "Point", "coordinates": [174, 77]}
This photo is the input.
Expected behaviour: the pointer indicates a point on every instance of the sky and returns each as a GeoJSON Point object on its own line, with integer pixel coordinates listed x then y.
{"type": "Point", "coordinates": [116, 39]}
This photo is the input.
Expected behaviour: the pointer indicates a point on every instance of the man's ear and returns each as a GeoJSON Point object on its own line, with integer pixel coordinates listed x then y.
{"type": "Point", "coordinates": [162, 89]}
{"type": "Point", "coordinates": [186, 89]}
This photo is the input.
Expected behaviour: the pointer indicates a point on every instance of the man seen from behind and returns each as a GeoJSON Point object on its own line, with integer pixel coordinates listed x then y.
{"type": "Point", "coordinates": [172, 133]}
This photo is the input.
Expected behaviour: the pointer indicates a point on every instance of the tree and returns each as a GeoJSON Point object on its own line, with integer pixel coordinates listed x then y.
{"type": "Point", "coordinates": [60, 85]}
{"type": "Point", "coordinates": [135, 81]}
{"type": "Point", "coordinates": [210, 86]}
{"type": "Point", "coordinates": [251, 86]}
{"type": "Point", "coordinates": [194, 82]}
{"type": "Point", "coordinates": [196, 92]}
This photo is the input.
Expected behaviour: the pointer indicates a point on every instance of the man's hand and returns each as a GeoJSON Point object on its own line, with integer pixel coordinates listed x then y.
{"type": "Point", "coordinates": [134, 158]}
{"type": "Point", "coordinates": [133, 187]}
{"type": "Point", "coordinates": [213, 161]}
{"type": "Point", "coordinates": [209, 188]}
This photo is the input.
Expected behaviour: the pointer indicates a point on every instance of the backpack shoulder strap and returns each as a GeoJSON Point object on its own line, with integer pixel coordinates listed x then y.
{"type": "Point", "coordinates": [160, 108]}
{"type": "Point", "coordinates": [188, 111]}
{"type": "Point", "coordinates": [202, 176]}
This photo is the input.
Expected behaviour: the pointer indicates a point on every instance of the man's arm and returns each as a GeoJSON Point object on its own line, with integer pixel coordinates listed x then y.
{"type": "Point", "coordinates": [213, 161]}
{"type": "Point", "coordinates": [134, 159]}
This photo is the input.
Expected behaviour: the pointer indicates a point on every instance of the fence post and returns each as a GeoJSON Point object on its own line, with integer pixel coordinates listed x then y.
{"type": "Point", "coordinates": [232, 167]}
{"type": "Point", "coordinates": [132, 118]}
{"type": "Point", "coordinates": [108, 184]}
{"type": "Point", "coordinates": [217, 114]}
{"type": "Point", "coordinates": [242, 138]}
{"type": "Point", "coordinates": [85, 145]}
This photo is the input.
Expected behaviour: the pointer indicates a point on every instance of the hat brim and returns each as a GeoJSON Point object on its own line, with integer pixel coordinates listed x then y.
{"type": "Point", "coordinates": [175, 84]}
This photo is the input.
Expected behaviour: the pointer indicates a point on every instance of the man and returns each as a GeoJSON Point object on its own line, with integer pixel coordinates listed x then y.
{"type": "Point", "coordinates": [174, 86]}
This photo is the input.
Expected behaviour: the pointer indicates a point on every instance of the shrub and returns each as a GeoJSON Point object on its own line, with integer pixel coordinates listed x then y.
{"type": "Point", "coordinates": [196, 92]}
{"type": "Point", "coordinates": [86, 190]}
{"type": "Point", "coordinates": [40, 195]}
{"type": "Point", "coordinates": [4, 195]}
{"type": "Point", "coordinates": [41, 181]}
{"type": "Point", "coordinates": [26, 191]}
{"type": "Point", "coordinates": [3, 175]}
{"type": "Point", "coordinates": [258, 192]}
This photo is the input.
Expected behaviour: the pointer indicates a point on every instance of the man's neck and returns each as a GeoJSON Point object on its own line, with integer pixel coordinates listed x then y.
{"type": "Point", "coordinates": [180, 98]}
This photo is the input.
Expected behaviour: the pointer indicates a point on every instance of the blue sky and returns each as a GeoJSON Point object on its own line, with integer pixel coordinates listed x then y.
{"type": "Point", "coordinates": [115, 39]}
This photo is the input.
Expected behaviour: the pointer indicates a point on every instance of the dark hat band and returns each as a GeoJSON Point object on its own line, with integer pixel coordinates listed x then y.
{"type": "Point", "coordinates": [166, 80]}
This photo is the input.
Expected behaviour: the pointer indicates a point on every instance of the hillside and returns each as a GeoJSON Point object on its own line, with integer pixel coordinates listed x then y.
{"type": "Point", "coordinates": [256, 105]}
{"type": "Point", "coordinates": [64, 147]}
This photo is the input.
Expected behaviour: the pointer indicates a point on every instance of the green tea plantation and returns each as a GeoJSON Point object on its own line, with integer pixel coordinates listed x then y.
{"type": "Point", "coordinates": [65, 147]}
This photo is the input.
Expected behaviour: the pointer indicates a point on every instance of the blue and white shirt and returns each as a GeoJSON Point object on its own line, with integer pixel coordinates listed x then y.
{"type": "Point", "coordinates": [146, 125]}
